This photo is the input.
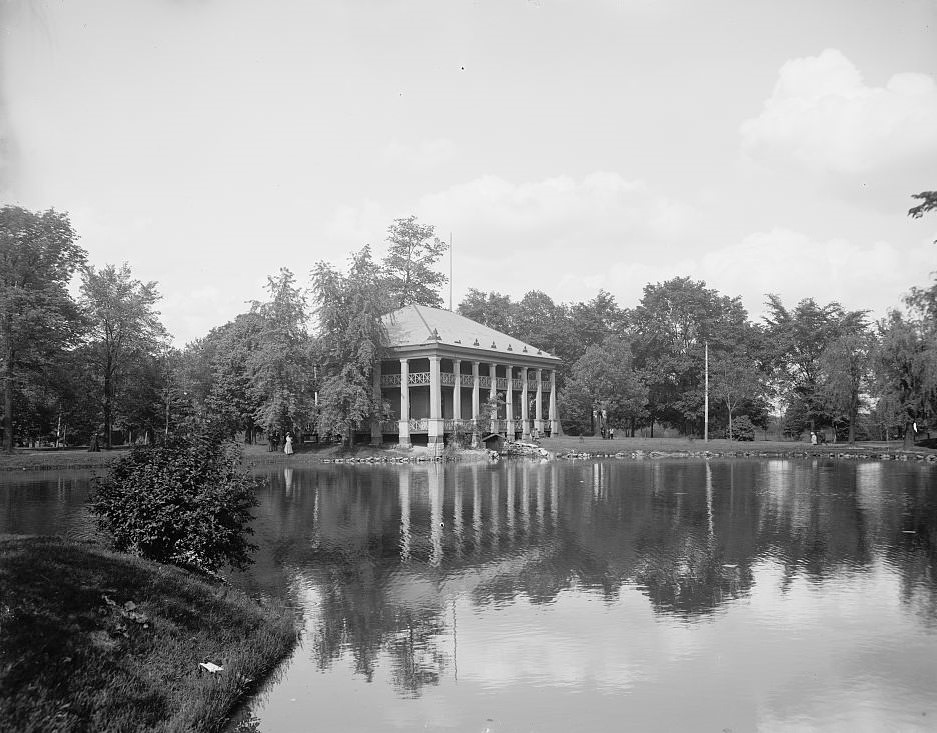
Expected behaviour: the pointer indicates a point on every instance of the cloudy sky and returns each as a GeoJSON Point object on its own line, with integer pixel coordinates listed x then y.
{"type": "Point", "coordinates": [566, 146]}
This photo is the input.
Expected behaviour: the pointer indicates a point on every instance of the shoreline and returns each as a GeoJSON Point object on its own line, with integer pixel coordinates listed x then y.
{"type": "Point", "coordinates": [125, 643]}
{"type": "Point", "coordinates": [562, 448]}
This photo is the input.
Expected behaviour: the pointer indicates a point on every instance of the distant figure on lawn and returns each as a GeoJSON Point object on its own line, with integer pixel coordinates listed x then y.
{"type": "Point", "coordinates": [813, 438]}
{"type": "Point", "coordinates": [288, 445]}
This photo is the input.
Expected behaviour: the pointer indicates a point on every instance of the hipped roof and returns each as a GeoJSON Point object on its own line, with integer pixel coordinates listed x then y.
{"type": "Point", "coordinates": [415, 326]}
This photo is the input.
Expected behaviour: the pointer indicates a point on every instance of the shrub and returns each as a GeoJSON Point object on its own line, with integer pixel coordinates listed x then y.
{"type": "Point", "coordinates": [742, 429]}
{"type": "Point", "coordinates": [186, 502]}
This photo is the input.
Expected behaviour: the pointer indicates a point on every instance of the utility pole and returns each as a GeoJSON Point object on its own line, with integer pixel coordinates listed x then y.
{"type": "Point", "coordinates": [706, 396]}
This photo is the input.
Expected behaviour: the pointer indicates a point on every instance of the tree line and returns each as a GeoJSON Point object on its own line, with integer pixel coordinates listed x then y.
{"type": "Point", "coordinates": [99, 365]}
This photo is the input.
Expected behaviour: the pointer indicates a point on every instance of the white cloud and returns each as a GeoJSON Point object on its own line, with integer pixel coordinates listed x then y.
{"type": "Point", "coordinates": [422, 156]}
{"type": "Point", "coordinates": [823, 116]}
{"type": "Point", "coordinates": [872, 276]}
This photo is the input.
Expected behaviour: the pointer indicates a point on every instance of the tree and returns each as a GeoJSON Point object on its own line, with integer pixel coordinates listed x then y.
{"type": "Point", "coordinates": [671, 324]}
{"type": "Point", "coordinates": [230, 400]}
{"type": "Point", "coordinates": [904, 367]}
{"type": "Point", "coordinates": [846, 367]}
{"type": "Point", "coordinates": [351, 338]}
{"type": "Point", "coordinates": [735, 378]}
{"type": "Point", "coordinates": [799, 338]}
{"type": "Point", "coordinates": [407, 267]}
{"type": "Point", "coordinates": [489, 309]}
{"type": "Point", "coordinates": [281, 378]}
{"type": "Point", "coordinates": [38, 318]}
{"type": "Point", "coordinates": [604, 377]}
{"type": "Point", "coordinates": [123, 325]}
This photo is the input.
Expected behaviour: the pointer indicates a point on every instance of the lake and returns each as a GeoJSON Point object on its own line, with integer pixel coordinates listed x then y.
{"type": "Point", "coordinates": [738, 595]}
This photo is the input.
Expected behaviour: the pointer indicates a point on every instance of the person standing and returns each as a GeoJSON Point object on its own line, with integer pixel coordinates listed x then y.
{"type": "Point", "coordinates": [288, 445]}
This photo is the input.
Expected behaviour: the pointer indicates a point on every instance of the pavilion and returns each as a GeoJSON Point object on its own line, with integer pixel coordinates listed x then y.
{"type": "Point", "coordinates": [439, 370]}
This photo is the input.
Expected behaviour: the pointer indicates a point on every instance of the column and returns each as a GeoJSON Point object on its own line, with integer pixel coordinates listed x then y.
{"type": "Point", "coordinates": [538, 423]}
{"type": "Point", "coordinates": [476, 398]}
{"type": "Point", "coordinates": [509, 402]}
{"type": "Point", "coordinates": [403, 425]}
{"type": "Point", "coordinates": [525, 417]}
{"type": "Point", "coordinates": [476, 403]}
{"type": "Point", "coordinates": [554, 417]}
{"type": "Point", "coordinates": [376, 436]}
{"type": "Point", "coordinates": [493, 393]}
{"type": "Point", "coordinates": [457, 389]}
{"type": "Point", "coordinates": [435, 431]}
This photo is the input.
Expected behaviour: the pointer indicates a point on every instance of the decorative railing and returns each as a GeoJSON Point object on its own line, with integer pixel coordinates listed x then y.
{"type": "Point", "coordinates": [450, 425]}
{"type": "Point", "coordinates": [467, 380]}
{"type": "Point", "coordinates": [418, 378]}
{"type": "Point", "coordinates": [419, 425]}
{"type": "Point", "coordinates": [390, 426]}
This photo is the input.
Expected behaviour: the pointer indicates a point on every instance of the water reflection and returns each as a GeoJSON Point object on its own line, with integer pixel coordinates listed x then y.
{"type": "Point", "coordinates": [386, 558]}
{"type": "Point", "coordinates": [770, 594]}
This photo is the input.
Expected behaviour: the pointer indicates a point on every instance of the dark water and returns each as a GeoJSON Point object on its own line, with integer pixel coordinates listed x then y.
{"type": "Point", "coordinates": [682, 595]}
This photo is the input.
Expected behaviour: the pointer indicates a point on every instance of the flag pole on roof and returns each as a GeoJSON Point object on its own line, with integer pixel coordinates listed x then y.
{"type": "Point", "coordinates": [450, 272]}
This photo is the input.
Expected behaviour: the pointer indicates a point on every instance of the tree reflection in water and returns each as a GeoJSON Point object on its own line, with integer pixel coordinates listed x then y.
{"type": "Point", "coordinates": [384, 551]}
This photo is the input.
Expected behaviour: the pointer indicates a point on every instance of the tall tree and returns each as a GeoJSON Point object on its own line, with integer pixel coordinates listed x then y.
{"type": "Point", "coordinates": [124, 325]}
{"type": "Point", "coordinates": [408, 274]}
{"type": "Point", "coordinates": [351, 338]}
{"type": "Point", "coordinates": [671, 326]}
{"type": "Point", "coordinates": [735, 378]}
{"type": "Point", "coordinates": [904, 367]}
{"type": "Point", "coordinates": [604, 381]}
{"type": "Point", "coordinates": [489, 309]}
{"type": "Point", "coordinates": [799, 338]}
{"type": "Point", "coordinates": [38, 318]}
{"type": "Point", "coordinates": [846, 365]}
{"type": "Point", "coordinates": [280, 365]}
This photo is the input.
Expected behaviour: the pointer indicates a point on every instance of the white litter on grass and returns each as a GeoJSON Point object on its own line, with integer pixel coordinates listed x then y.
{"type": "Point", "coordinates": [211, 667]}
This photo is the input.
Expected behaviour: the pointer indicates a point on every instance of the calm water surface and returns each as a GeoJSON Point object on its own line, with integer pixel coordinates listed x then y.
{"type": "Point", "coordinates": [779, 595]}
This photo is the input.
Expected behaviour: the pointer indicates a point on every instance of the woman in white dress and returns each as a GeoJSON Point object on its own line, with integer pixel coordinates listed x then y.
{"type": "Point", "coordinates": [288, 445]}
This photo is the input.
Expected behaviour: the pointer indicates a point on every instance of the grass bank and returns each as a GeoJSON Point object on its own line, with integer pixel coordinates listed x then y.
{"type": "Point", "coordinates": [94, 640]}
{"type": "Point", "coordinates": [563, 445]}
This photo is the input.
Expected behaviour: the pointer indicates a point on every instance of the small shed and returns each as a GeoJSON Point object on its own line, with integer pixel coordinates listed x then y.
{"type": "Point", "coordinates": [494, 442]}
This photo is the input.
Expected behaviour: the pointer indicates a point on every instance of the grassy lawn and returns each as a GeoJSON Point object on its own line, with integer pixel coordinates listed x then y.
{"type": "Point", "coordinates": [567, 444]}
{"type": "Point", "coordinates": [98, 641]}
{"type": "Point", "coordinates": [28, 459]}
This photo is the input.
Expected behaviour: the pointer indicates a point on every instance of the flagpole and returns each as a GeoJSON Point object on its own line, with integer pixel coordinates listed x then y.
{"type": "Point", "coordinates": [450, 272]}
{"type": "Point", "coordinates": [706, 398]}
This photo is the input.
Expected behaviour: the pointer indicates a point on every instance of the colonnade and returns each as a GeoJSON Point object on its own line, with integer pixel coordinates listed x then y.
{"type": "Point", "coordinates": [436, 425]}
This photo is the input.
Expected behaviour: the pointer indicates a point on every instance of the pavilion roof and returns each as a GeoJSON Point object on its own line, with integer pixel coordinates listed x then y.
{"type": "Point", "coordinates": [418, 325]}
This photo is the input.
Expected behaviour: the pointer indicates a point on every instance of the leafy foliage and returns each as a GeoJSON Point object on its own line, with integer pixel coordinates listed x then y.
{"type": "Point", "coordinates": [39, 320]}
{"type": "Point", "coordinates": [604, 380]}
{"type": "Point", "coordinates": [124, 330]}
{"type": "Point", "coordinates": [186, 502]}
{"type": "Point", "coordinates": [351, 339]}
{"type": "Point", "coordinates": [929, 203]}
{"type": "Point", "coordinates": [407, 267]}
{"type": "Point", "coordinates": [281, 377]}
{"type": "Point", "coordinates": [799, 338]}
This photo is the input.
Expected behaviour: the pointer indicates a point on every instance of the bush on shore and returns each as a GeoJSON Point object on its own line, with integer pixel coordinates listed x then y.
{"type": "Point", "coordinates": [187, 502]}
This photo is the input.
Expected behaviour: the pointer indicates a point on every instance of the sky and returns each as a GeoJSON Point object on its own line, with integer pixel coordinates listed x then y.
{"type": "Point", "coordinates": [762, 147]}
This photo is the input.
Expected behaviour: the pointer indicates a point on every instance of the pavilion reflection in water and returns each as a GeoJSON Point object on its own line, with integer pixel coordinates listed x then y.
{"type": "Point", "coordinates": [386, 554]}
